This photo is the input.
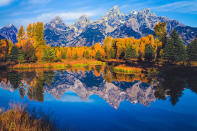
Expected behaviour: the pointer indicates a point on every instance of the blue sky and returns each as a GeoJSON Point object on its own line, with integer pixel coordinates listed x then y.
{"type": "Point", "coordinates": [22, 12]}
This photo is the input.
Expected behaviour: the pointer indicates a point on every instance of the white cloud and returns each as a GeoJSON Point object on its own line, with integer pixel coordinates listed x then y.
{"type": "Point", "coordinates": [5, 2]}
{"type": "Point", "coordinates": [68, 17]}
{"type": "Point", "coordinates": [181, 6]}
{"type": "Point", "coordinates": [38, 1]}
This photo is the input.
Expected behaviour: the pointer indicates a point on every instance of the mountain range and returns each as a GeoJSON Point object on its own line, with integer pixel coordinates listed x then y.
{"type": "Point", "coordinates": [86, 32]}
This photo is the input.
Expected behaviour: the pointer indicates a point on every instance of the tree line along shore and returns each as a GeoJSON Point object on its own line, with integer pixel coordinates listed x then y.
{"type": "Point", "coordinates": [32, 51]}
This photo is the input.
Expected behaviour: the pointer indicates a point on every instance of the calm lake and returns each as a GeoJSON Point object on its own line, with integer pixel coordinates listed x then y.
{"type": "Point", "coordinates": [97, 99]}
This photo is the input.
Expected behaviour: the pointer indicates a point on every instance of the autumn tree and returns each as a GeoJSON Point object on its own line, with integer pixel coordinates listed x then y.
{"type": "Point", "coordinates": [5, 49]}
{"type": "Point", "coordinates": [38, 34]}
{"type": "Point", "coordinates": [21, 33]}
{"type": "Point", "coordinates": [29, 51]}
{"type": "Point", "coordinates": [107, 45]}
{"type": "Point", "coordinates": [38, 37]}
{"type": "Point", "coordinates": [161, 32]}
{"type": "Point", "coordinates": [29, 31]}
{"type": "Point", "coordinates": [68, 52]}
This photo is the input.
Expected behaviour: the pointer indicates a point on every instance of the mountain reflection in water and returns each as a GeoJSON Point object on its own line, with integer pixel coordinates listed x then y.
{"type": "Point", "coordinates": [80, 95]}
{"type": "Point", "coordinates": [84, 84]}
{"type": "Point", "coordinates": [112, 87]}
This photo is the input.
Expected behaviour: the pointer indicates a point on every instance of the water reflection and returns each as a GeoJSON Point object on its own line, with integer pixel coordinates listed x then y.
{"type": "Point", "coordinates": [114, 88]}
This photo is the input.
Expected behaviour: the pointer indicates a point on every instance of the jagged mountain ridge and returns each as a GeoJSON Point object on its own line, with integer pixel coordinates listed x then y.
{"type": "Point", "coordinates": [85, 32]}
{"type": "Point", "coordinates": [137, 24]}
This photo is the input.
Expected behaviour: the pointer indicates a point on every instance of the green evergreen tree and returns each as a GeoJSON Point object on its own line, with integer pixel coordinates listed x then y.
{"type": "Point", "coordinates": [63, 55]}
{"type": "Point", "coordinates": [86, 54]}
{"type": "Point", "coordinates": [192, 50]}
{"type": "Point", "coordinates": [98, 55]}
{"type": "Point", "coordinates": [112, 53]}
{"type": "Point", "coordinates": [20, 56]}
{"type": "Point", "coordinates": [130, 53]}
{"type": "Point", "coordinates": [49, 54]}
{"type": "Point", "coordinates": [149, 54]}
{"type": "Point", "coordinates": [22, 92]}
{"type": "Point", "coordinates": [15, 78]}
{"type": "Point", "coordinates": [115, 48]}
{"type": "Point", "coordinates": [76, 56]}
{"type": "Point", "coordinates": [174, 50]}
{"type": "Point", "coordinates": [14, 54]}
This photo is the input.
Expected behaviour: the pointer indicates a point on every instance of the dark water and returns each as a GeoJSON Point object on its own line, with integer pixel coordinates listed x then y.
{"type": "Point", "coordinates": [101, 100]}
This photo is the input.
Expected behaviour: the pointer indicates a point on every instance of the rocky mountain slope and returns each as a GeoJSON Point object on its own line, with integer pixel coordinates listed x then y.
{"type": "Point", "coordinates": [85, 32]}
{"type": "Point", "coordinates": [9, 32]}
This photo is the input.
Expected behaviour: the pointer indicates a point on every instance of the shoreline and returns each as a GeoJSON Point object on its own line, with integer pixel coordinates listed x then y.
{"type": "Point", "coordinates": [57, 65]}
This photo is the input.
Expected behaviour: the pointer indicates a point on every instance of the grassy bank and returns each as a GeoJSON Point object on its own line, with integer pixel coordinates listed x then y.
{"type": "Point", "coordinates": [19, 119]}
{"type": "Point", "coordinates": [127, 70]}
{"type": "Point", "coordinates": [58, 65]}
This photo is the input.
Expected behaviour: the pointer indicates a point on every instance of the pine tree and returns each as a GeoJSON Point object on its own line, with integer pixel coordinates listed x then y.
{"type": "Point", "coordinates": [192, 50]}
{"type": "Point", "coordinates": [98, 55]}
{"type": "Point", "coordinates": [63, 55]}
{"type": "Point", "coordinates": [130, 53]}
{"type": "Point", "coordinates": [86, 54]}
{"type": "Point", "coordinates": [14, 54]}
{"type": "Point", "coordinates": [76, 56]}
{"type": "Point", "coordinates": [149, 54]}
{"type": "Point", "coordinates": [49, 54]}
{"type": "Point", "coordinates": [20, 56]}
{"type": "Point", "coordinates": [174, 50]}
{"type": "Point", "coordinates": [115, 48]}
{"type": "Point", "coordinates": [112, 53]}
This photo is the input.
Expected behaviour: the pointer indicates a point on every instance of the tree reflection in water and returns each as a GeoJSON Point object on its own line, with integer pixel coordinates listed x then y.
{"type": "Point", "coordinates": [167, 82]}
